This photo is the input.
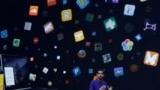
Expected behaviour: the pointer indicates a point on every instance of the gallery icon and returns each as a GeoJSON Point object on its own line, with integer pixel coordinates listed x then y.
{"type": "Point", "coordinates": [118, 71]}
{"type": "Point", "coordinates": [48, 27]}
{"type": "Point", "coordinates": [127, 45]}
{"type": "Point", "coordinates": [51, 2]}
{"type": "Point", "coordinates": [110, 24]}
{"type": "Point", "coordinates": [151, 58]}
{"type": "Point", "coordinates": [82, 3]}
{"type": "Point", "coordinates": [33, 10]}
{"type": "Point", "coordinates": [66, 15]}
{"type": "Point", "coordinates": [78, 36]}
{"type": "Point", "coordinates": [129, 10]}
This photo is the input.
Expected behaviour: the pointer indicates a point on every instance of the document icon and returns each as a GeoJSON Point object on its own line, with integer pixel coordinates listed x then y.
{"type": "Point", "coordinates": [151, 58]}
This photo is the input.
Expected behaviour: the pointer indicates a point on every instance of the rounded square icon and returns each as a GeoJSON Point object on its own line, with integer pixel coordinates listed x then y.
{"type": "Point", "coordinates": [129, 10]}
{"type": "Point", "coordinates": [110, 24]}
{"type": "Point", "coordinates": [78, 36]}
{"type": "Point", "coordinates": [51, 2]}
{"type": "Point", "coordinates": [16, 42]}
{"type": "Point", "coordinates": [33, 10]}
{"type": "Point", "coordinates": [66, 15]}
{"type": "Point", "coordinates": [27, 26]}
{"type": "Point", "coordinates": [48, 27]}
{"type": "Point", "coordinates": [151, 58]}
{"type": "Point", "coordinates": [4, 34]}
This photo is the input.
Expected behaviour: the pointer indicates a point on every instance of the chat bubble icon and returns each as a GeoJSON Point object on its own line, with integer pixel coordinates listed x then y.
{"type": "Point", "coordinates": [118, 71]}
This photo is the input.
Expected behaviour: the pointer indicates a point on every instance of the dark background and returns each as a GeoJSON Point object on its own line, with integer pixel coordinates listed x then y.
{"type": "Point", "coordinates": [14, 13]}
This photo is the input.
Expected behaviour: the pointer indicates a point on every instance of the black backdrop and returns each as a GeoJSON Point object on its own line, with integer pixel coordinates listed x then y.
{"type": "Point", "coordinates": [14, 14]}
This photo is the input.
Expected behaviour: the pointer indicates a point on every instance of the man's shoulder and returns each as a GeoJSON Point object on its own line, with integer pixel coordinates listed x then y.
{"type": "Point", "coordinates": [93, 81]}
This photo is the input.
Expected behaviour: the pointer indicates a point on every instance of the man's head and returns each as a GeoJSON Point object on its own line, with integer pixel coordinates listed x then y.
{"type": "Point", "coordinates": [100, 74]}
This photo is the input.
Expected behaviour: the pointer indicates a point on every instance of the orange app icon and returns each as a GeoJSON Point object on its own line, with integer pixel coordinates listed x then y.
{"type": "Point", "coordinates": [151, 58]}
{"type": "Point", "coordinates": [33, 10]}
{"type": "Point", "coordinates": [51, 2]}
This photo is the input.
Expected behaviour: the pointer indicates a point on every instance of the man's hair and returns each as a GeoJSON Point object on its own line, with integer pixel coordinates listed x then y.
{"type": "Point", "coordinates": [100, 70]}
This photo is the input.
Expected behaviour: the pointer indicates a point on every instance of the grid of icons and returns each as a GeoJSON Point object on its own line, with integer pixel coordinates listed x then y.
{"type": "Point", "coordinates": [67, 41]}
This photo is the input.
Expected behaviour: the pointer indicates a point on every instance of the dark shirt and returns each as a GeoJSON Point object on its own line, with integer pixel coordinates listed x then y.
{"type": "Point", "coordinates": [95, 84]}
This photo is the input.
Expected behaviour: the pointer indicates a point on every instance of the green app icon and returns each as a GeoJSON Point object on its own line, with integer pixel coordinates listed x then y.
{"type": "Point", "coordinates": [16, 42]}
{"type": "Point", "coordinates": [110, 24]}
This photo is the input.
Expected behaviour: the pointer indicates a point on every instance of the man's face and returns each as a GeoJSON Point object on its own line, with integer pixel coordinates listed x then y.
{"type": "Point", "coordinates": [100, 75]}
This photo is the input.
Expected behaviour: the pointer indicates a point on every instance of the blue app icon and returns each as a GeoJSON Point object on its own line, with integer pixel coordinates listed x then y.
{"type": "Point", "coordinates": [118, 71]}
{"type": "Point", "coordinates": [4, 34]}
{"type": "Point", "coordinates": [76, 71]}
{"type": "Point", "coordinates": [82, 3]}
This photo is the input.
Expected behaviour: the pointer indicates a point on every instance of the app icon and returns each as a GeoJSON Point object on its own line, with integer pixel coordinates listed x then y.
{"type": "Point", "coordinates": [129, 10]}
{"type": "Point", "coordinates": [89, 17]}
{"type": "Point", "coordinates": [111, 1]}
{"type": "Point", "coordinates": [48, 27]}
{"type": "Point", "coordinates": [143, 0]}
{"type": "Point", "coordinates": [82, 3]}
{"type": "Point", "coordinates": [27, 26]}
{"type": "Point", "coordinates": [64, 2]}
{"type": "Point", "coordinates": [78, 36]}
{"type": "Point", "coordinates": [110, 24]}
{"type": "Point", "coordinates": [16, 42]}
{"type": "Point", "coordinates": [98, 47]}
{"type": "Point", "coordinates": [127, 45]}
{"type": "Point", "coordinates": [60, 36]}
{"type": "Point", "coordinates": [4, 34]}
{"type": "Point", "coordinates": [76, 71]}
{"type": "Point", "coordinates": [151, 58]}
{"type": "Point", "coordinates": [35, 40]}
{"type": "Point", "coordinates": [81, 53]}
{"type": "Point", "coordinates": [149, 25]}
{"type": "Point", "coordinates": [33, 10]}
{"type": "Point", "coordinates": [66, 15]}
{"type": "Point", "coordinates": [51, 2]}
{"type": "Point", "coordinates": [32, 77]}
{"type": "Point", "coordinates": [118, 71]}
{"type": "Point", "coordinates": [138, 37]}
{"type": "Point", "coordinates": [45, 70]}
{"type": "Point", "coordinates": [90, 71]}
{"type": "Point", "coordinates": [106, 58]}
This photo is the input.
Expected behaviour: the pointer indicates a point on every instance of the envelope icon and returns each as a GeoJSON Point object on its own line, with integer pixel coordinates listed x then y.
{"type": "Point", "coordinates": [151, 58]}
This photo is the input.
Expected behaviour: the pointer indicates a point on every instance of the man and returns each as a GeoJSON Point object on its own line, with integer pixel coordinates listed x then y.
{"type": "Point", "coordinates": [98, 83]}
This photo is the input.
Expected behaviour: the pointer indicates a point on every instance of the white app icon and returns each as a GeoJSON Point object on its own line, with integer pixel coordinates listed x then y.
{"type": "Point", "coordinates": [129, 10]}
